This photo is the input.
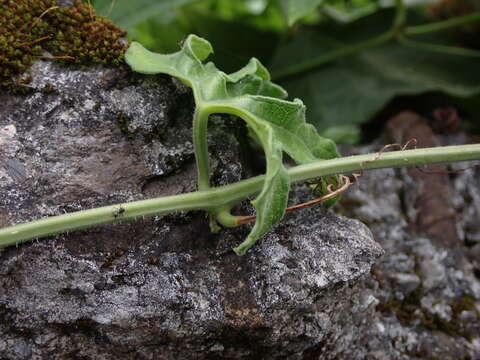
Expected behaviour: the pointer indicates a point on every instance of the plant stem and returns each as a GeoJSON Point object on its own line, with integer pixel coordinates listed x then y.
{"type": "Point", "coordinates": [200, 144]}
{"type": "Point", "coordinates": [228, 195]}
{"type": "Point", "coordinates": [442, 25]}
{"type": "Point", "coordinates": [393, 159]}
{"type": "Point", "coordinates": [400, 16]}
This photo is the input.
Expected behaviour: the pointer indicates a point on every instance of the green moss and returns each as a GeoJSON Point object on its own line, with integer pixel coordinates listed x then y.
{"type": "Point", "coordinates": [410, 311]}
{"type": "Point", "coordinates": [49, 89]}
{"type": "Point", "coordinates": [33, 29]}
{"type": "Point", "coordinates": [407, 313]}
{"type": "Point", "coordinates": [112, 256]}
{"type": "Point", "coordinates": [405, 309]}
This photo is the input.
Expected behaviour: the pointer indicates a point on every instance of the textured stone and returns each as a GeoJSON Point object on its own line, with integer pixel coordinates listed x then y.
{"type": "Point", "coordinates": [162, 287]}
{"type": "Point", "coordinates": [429, 294]}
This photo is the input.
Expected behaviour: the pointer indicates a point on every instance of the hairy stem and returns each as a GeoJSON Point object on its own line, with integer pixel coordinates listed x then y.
{"type": "Point", "coordinates": [200, 144]}
{"type": "Point", "coordinates": [226, 196]}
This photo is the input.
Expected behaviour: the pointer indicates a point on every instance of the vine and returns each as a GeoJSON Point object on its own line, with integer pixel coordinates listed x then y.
{"type": "Point", "coordinates": [278, 125]}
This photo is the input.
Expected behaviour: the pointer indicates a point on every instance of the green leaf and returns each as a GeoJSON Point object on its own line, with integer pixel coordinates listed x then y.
{"type": "Point", "coordinates": [351, 90]}
{"type": "Point", "coordinates": [279, 125]}
{"type": "Point", "coordinates": [349, 11]}
{"type": "Point", "coordinates": [161, 33]}
{"type": "Point", "coordinates": [296, 9]}
{"type": "Point", "coordinates": [271, 203]}
{"type": "Point", "coordinates": [320, 188]}
{"type": "Point", "coordinates": [127, 13]}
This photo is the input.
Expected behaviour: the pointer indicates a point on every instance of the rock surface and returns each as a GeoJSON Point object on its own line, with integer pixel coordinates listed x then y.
{"type": "Point", "coordinates": [162, 287]}
{"type": "Point", "coordinates": [428, 283]}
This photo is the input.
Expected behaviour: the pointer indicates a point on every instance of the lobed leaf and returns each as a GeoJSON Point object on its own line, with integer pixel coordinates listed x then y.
{"type": "Point", "coordinates": [279, 125]}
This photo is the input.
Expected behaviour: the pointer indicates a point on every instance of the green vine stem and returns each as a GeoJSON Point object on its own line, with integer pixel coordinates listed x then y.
{"type": "Point", "coordinates": [400, 17]}
{"type": "Point", "coordinates": [200, 144]}
{"type": "Point", "coordinates": [227, 196]}
{"type": "Point", "coordinates": [442, 25]}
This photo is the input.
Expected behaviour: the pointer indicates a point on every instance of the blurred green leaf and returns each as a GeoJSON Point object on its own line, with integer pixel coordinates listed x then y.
{"type": "Point", "coordinates": [346, 12]}
{"type": "Point", "coordinates": [223, 22]}
{"type": "Point", "coordinates": [230, 10]}
{"type": "Point", "coordinates": [128, 13]}
{"type": "Point", "coordinates": [343, 134]}
{"type": "Point", "coordinates": [162, 33]}
{"type": "Point", "coordinates": [296, 9]}
{"type": "Point", "coordinates": [235, 41]}
{"type": "Point", "coordinates": [352, 89]}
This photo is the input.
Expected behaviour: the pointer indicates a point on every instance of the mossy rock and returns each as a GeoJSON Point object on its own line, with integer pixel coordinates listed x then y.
{"type": "Point", "coordinates": [33, 29]}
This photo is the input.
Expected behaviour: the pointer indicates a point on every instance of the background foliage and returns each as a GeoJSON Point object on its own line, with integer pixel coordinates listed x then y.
{"type": "Point", "coordinates": [343, 94]}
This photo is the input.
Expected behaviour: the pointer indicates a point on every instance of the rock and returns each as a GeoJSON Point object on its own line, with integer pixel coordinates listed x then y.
{"type": "Point", "coordinates": [474, 257]}
{"type": "Point", "coordinates": [428, 290]}
{"type": "Point", "coordinates": [431, 205]}
{"type": "Point", "coordinates": [467, 201]}
{"type": "Point", "coordinates": [406, 283]}
{"type": "Point", "coordinates": [162, 287]}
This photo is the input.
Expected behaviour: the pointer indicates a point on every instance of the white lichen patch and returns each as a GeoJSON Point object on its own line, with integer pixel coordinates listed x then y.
{"type": "Point", "coordinates": [7, 133]}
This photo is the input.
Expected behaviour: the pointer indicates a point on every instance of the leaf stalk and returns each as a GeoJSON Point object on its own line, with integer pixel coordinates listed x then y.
{"type": "Point", "coordinates": [200, 144]}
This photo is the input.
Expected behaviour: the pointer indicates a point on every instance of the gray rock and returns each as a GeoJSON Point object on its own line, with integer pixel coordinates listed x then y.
{"type": "Point", "coordinates": [429, 295]}
{"type": "Point", "coordinates": [468, 202]}
{"type": "Point", "coordinates": [406, 283]}
{"type": "Point", "coordinates": [162, 287]}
